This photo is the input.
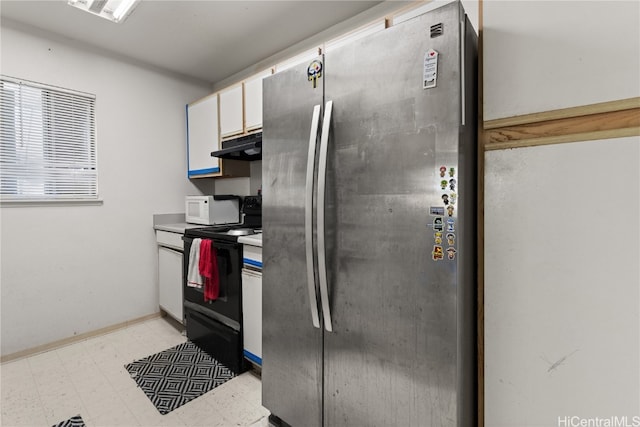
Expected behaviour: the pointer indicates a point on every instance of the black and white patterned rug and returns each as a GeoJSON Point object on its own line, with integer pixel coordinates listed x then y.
{"type": "Point", "coordinates": [71, 422]}
{"type": "Point", "coordinates": [178, 375]}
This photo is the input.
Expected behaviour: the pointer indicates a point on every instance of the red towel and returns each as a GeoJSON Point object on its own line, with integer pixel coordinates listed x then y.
{"type": "Point", "coordinates": [208, 267]}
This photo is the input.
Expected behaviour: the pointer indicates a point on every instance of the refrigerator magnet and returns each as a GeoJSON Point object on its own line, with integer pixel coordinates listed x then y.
{"type": "Point", "coordinates": [452, 184]}
{"type": "Point", "coordinates": [451, 253]}
{"type": "Point", "coordinates": [443, 184]}
{"type": "Point", "coordinates": [314, 72]}
{"type": "Point", "coordinates": [437, 253]}
{"type": "Point", "coordinates": [452, 172]}
{"type": "Point", "coordinates": [437, 236]}
{"type": "Point", "coordinates": [451, 225]}
{"type": "Point", "coordinates": [436, 211]}
{"type": "Point", "coordinates": [438, 223]}
{"type": "Point", "coordinates": [451, 239]}
{"type": "Point", "coordinates": [443, 171]}
{"type": "Point", "coordinates": [452, 198]}
{"type": "Point", "coordinates": [450, 210]}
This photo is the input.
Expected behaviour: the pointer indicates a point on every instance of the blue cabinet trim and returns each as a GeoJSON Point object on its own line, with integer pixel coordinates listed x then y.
{"type": "Point", "coordinates": [204, 171]}
{"type": "Point", "coordinates": [253, 357]}
{"type": "Point", "coordinates": [252, 262]}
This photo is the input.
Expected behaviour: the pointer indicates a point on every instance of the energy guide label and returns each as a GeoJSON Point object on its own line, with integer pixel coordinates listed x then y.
{"type": "Point", "coordinates": [430, 72]}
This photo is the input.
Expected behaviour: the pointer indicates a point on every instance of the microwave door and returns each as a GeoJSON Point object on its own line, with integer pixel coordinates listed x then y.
{"type": "Point", "coordinates": [193, 209]}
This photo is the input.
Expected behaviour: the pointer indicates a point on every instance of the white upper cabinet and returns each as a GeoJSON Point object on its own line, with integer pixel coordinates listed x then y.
{"type": "Point", "coordinates": [253, 101]}
{"type": "Point", "coordinates": [548, 55]}
{"type": "Point", "coordinates": [231, 111]}
{"type": "Point", "coordinates": [202, 136]}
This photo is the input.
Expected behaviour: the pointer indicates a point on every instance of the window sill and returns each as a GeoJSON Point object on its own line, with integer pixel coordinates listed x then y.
{"type": "Point", "coordinates": [49, 203]}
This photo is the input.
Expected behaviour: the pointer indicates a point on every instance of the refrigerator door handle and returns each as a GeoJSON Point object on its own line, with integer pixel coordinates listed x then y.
{"type": "Point", "coordinates": [322, 176]}
{"type": "Point", "coordinates": [308, 216]}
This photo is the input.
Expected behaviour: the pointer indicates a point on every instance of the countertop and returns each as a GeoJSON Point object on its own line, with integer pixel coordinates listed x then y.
{"type": "Point", "coordinates": [178, 227]}
{"type": "Point", "coordinates": [253, 240]}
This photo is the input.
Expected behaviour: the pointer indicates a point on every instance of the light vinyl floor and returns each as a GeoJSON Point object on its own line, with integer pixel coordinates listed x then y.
{"type": "Point", "coordinates": [88, 378]}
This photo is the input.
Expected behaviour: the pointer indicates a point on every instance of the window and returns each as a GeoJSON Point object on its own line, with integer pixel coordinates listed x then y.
{"type": "Point", "coordinates": [48, 143]}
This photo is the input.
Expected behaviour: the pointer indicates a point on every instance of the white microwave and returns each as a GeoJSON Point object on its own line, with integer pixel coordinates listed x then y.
{"type": "Point", "coordinates": [212, 210]}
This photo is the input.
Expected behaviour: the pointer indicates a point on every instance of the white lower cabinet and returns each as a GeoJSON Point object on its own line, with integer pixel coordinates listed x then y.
{"type": "Point", "coordinates": [252, 301]}
{"type": "Point", "coordinates": [252, 314]}
{"type": "Point", "coordinates": [170, 281]}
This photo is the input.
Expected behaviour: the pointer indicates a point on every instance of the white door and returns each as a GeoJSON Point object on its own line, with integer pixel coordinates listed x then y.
{"type": "Point", "coordinates": [253, 101]}
{"type": "Point", "coordinates": [231, 114]}
{"type": "Point", "coordinates": [202, 136]}
{"type": "Point", "coordinates": [252, 314]}
{"type": "Point", "coordinates": [170, 281]}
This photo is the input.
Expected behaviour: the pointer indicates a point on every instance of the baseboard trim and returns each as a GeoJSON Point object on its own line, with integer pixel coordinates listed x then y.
{"type": "Point", "coordinates": [76, 338]}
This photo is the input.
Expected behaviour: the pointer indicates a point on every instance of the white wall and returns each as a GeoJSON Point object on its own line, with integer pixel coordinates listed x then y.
{"type": "Point", "coordinates": [547, 55]}
{"type": "Point", "coordinates": [562, 290]}
{"type": "Point", "coordinates": [562, 222]}
{"type": "Point", "coordinates": [67, 270]}
{"type": "Point", "coordinates": [242, 186]}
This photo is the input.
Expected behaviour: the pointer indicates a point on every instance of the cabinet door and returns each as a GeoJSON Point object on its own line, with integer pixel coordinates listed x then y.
{"type": "Point", "coordinates": [231, 114]}
{"type": "Point", "coordinates": [252, 315]}
{"type": "Point", "coordinates": [253, 101]}
{"type": "Point", "coordinates": [170, 281]}
{"type": "Point", "coordinates": [202, 137]}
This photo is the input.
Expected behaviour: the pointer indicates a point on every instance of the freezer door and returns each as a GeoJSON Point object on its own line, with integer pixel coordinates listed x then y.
{"type": "Point", "coordinates": [394, 356]}
{"type": "Point", "coordinates": [292, 338]}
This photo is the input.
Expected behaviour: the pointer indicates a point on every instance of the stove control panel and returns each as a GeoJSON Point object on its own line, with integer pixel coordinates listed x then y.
{"type": "Point", "coordinates": [252, 205]}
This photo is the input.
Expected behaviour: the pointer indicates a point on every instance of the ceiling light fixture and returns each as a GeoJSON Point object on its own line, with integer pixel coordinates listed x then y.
{"type": "Point", "coordinates": [113, 10]}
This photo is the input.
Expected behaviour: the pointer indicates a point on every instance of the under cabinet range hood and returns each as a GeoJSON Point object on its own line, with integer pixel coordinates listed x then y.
{"type": "Point", "coordinates": [246, 147]}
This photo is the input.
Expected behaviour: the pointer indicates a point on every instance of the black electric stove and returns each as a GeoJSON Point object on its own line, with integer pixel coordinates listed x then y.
{"type": "Point", "coordinates": [216, 326]}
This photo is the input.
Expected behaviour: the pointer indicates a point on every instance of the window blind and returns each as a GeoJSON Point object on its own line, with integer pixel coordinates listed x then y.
{"type": "Point", "coordinates": [48, 143]}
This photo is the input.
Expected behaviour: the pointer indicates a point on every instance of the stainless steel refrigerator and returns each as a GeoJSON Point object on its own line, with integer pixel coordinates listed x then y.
{"type": "Point", "coordinates": [369, 230]}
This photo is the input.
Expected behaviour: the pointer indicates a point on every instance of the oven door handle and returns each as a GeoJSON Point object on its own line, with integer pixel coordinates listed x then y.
{"type": "Point", "coordinates": [217, 242]}
{"type": "Point", "coordinates": [308, 217]}
{"type": "Point", "coordinates": [322, 178]}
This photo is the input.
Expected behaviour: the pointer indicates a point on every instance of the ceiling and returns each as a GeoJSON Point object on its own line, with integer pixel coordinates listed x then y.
{"type": "Point", "coordinates": [209, 40]}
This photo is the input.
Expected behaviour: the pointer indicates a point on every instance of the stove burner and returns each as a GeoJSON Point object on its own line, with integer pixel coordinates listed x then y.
{"type": "Point", "coordinates": [241, 232]}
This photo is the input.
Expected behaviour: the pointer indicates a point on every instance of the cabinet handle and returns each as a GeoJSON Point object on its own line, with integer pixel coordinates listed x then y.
{"type": "Point", "coordinates": [308, 216]}
{"type": "Point", "coordinates": [252, 273]}
{"type": "Point", "coordinates": [172, 249]}
{"type": "Point", "coordinates": [322, 178]}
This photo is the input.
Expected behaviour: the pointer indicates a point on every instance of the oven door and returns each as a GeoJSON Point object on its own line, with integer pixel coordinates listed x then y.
{"type": "Point", "coordinates": [221, 342]}
{"type": "Point", "coordinates": [227, 308]}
